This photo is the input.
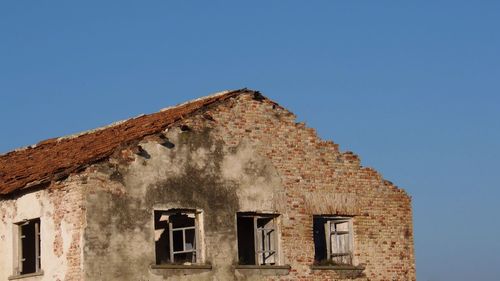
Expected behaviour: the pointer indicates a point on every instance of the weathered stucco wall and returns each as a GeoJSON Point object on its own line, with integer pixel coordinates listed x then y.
{"type": "Point", "coordinates": [246, 154]}
{"type": "Point", "coordinates": [61, 212]}
{"type": "Point", "coordinates": [199, 172]}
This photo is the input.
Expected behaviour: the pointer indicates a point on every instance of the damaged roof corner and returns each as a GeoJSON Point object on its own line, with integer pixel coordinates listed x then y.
{"type": "Point", "coordinates": [56, 157]}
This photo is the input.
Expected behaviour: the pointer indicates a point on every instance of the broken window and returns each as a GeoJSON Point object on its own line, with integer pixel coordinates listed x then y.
{"type": "Point", "coordinates": [176, 236]}
{"type": "Point", "coordinates": [28, 253]}
{"type": "Point", "coordinates": [257, 239]}
{"type": "Point", "coordinates": [332, 240]}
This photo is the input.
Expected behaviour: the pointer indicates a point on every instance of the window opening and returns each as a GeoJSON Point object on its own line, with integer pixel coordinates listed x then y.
{"type": "Point", "coordinates": [176, 236]}
{"type": "Point", "coordinates": [29, 247]}
{"type": "Point", "coordinates": [257, 239]}
{"type": "Point", "coordinates": [332, 240]}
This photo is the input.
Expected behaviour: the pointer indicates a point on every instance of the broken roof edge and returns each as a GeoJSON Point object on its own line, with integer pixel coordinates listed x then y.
{"type": "Point", "coordinates": [119, 122]}
{"type": "Point", "coordinates": [116, 123]}
{"type": "Point", "coordinates": [43, 169]}
{"type": "Point", "coordinates": [196, 105]}
{"type": "Point", "coordinates": [214, 95]}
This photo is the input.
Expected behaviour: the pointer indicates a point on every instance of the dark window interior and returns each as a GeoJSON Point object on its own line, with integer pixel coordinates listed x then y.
{"type": "Point", "coordinates": [246, 240]}
{"type": "Point", "coordinates": [162, 245]}
{"type": "Point", "coordinates": [320, 251]}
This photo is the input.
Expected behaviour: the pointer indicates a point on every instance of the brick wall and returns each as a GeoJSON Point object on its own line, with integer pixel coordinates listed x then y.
{"type": "Point", "coordinates": [319, 179]}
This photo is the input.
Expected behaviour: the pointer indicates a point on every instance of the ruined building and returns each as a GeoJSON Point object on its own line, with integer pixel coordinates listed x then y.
{"type": "Point", "coordinates": [226, 187]}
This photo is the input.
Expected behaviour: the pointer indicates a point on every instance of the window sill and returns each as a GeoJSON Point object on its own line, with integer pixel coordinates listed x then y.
{"type": "Point", "coordinates": [21, 276]}
{"type": "Point", "coordinates": [251, 266]}
{"type": "Point", "coordinates": [263, 269]}
{"type": "Point", "coordinates": [182, 266]}
{"type": "Point", "coordinates": [337, 267]}
{"type": "Point", "coordinates": [344, 271]}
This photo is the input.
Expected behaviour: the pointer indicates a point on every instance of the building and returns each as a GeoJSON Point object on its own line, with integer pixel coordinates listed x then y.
{"type": "Point", "coordinates": [226, 187]}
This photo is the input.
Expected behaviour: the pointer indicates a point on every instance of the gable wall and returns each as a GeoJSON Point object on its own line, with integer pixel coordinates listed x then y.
{"type": "Point", "coordinates": [318, 179]}
{"type": "Point", "coordinates": [251, 157]}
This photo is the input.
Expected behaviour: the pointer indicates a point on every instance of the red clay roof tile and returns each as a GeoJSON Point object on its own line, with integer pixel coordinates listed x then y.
{"type": "Point", "coordinates": [55, 158]}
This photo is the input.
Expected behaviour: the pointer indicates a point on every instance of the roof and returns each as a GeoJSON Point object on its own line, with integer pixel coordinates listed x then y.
{"type": "Point", "coordinates": [56, 158]}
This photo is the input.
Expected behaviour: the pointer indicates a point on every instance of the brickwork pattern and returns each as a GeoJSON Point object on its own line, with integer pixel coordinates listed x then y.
{"type": "Point", "coordinates": [68, 200]}
{"type": "Point", "coordinates": [319, 179]}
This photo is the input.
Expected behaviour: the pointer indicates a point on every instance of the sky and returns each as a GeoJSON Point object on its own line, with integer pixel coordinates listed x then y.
{"type": "Point", "coordinates": [413, 87]}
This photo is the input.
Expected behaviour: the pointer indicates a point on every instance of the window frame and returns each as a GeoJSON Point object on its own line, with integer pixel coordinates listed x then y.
{"type": "Point", "coordinates": [331, 254]}
{"type": "Point", "coordinates": [184, 250]}
{"type": "Point", "coordinates": [197, 249]}
{"type": "Point", "coordinates": [19, 258]}
{"type": "Point", "coordinates": [261, 244]}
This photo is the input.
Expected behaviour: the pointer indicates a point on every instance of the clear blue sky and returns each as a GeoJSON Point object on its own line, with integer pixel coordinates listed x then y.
{"type": "Point", "coordinates": [410, 86]}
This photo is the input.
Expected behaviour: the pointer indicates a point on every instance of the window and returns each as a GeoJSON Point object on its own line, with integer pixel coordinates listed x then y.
{"type": "Point", "coordinates": [257, 239]}
{"type": "Point", "coordinates": [332, 240]}
{"type": "Point", "coordinates": [28, 253]}
{"type": "Point", "coordinates": [177, 236]}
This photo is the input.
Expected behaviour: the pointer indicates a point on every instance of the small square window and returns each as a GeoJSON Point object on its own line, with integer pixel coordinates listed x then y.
{"type": "Point", "coordinates": [257, 239]}
{"type": "Point", "coordinates": [176, 236]}
{"type": "Point", "coordinates": [28, 249]}
{"type": "Point", "coordinates": [332, 240]}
